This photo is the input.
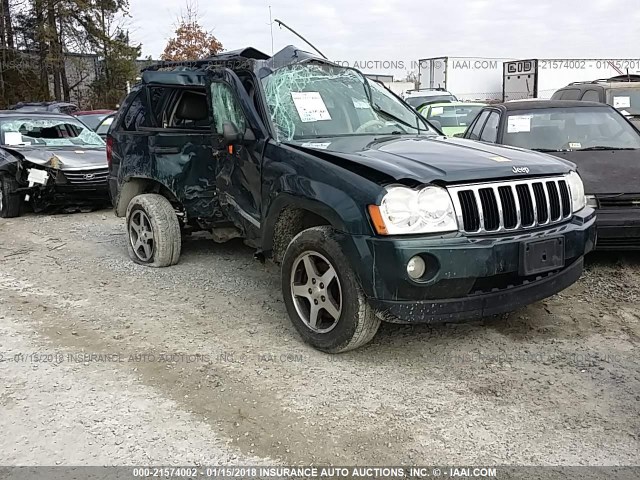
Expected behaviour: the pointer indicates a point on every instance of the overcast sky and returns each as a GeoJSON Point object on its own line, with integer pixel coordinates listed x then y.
{"type": "Point", "coordinates": [393, 30]}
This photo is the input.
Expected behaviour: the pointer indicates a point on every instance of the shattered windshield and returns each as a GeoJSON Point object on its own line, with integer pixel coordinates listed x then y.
{"type": "Point", "coordinates": [319, 100]}
{"type": "Point", "coordinates": [47, 132]}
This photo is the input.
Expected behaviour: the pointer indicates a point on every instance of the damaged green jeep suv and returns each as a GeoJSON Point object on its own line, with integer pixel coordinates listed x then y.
{"type": "Point", "coordinates": [371, 212]}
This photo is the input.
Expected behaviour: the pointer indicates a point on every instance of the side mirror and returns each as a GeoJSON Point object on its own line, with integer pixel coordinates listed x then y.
{"type": "Point", "coordinates": [436, 124]}
{"type": "Point", "coordinates": [231, 135]}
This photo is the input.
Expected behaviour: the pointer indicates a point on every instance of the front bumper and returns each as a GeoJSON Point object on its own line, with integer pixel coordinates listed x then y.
{"type": "Point", "coordinates": [68, 188]}
{"type": "Point", "coordinates": [618, 229]}
{"type": "Point", "coordinates": [467, 277]}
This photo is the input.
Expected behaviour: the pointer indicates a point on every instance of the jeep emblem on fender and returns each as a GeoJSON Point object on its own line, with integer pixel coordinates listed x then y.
{"type": "Point", "coordinates": [520, 169]}
{"type": "Point", "coordinates": [91, 176]}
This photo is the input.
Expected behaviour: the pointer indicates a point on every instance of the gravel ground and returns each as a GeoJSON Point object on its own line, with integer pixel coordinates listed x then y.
{"type": "Point", "coordinates": [198, 363]}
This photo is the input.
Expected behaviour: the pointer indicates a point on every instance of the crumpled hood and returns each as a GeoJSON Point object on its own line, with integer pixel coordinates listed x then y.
{"type": "Point", "coordinates": [71, 158]}
{"type": "Point", "coordinates": [429, 159]}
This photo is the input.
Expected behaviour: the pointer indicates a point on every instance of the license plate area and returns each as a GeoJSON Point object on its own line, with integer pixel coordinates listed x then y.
{"type": "Point", "coordinates": [539, 256]}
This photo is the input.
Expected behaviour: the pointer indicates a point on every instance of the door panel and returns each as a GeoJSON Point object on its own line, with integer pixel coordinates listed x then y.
{"type": "Point", "coordinates": [239, 178]}
{"type": "Point", "coordinates": [187, 163]}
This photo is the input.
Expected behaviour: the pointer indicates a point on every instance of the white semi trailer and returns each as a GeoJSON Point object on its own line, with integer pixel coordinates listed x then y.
{"type": "Point", "coordinates": [540, 78]}
{"type": "Point", "coordinates": [468, 78]}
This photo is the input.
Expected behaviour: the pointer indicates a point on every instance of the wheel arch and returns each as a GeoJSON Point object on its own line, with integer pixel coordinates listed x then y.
{"type": "Point", "coordinates": [135, 186]}
{"type": "Point", "coordinates": [289, 216]}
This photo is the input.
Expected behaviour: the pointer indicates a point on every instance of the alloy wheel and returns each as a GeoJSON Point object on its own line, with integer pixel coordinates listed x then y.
{"type": "Point", "coordinates": [141, 235]}
{"type": "Point", "coordinates": [316, 292]}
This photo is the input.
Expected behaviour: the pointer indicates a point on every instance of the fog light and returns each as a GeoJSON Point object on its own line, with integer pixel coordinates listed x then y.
{"type": "Point", "coordinates": [416, 267]}
{"type": "Point", "coordinates": [592, 201]}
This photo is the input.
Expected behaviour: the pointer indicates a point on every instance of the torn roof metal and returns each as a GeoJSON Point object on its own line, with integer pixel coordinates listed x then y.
{"type": "Point", "coordinates": [249, 58]}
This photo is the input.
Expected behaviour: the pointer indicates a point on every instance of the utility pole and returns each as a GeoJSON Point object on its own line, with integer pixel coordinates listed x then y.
{"type": "Point", "coordinates": [271, 27]}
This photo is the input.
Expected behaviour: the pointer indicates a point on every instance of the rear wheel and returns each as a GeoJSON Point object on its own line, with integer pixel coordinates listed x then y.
{"type": "Point", "coordinates": [10, 202]}
{"type": "Point", "coordinates": [153, 230]}
{"type": "Point", "coordinates": [322, 293]}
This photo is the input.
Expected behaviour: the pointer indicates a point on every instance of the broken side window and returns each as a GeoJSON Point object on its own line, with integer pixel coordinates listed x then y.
{"type": "Point", "coordinates": [226, 108]}
{"type": "Point", "coordinates": [135, 116]}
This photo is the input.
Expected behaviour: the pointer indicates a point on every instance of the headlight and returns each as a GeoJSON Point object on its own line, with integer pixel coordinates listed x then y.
{"type": "Point", "coordinates": [578, 200]}
{"type": "Point", "coordinates": [406, 211]}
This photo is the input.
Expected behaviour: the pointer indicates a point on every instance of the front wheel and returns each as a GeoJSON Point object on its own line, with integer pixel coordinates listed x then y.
{"type": "Point", "coordinates": [153, 231]}
{"type": "Point", "coordinates": [10, 202]}
{"type": "Point", "coordinates": [322, 294]}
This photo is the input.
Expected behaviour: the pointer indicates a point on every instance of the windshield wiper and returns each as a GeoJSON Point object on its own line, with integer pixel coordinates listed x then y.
{"type": "Point", "coordinates": [546, 150]}
{"type": "Point", "coordinates": [382, 111]}
{"type": "Point", "coordinates": [378, 109]}
{"type": "Point", "coordinates": [602, 147]}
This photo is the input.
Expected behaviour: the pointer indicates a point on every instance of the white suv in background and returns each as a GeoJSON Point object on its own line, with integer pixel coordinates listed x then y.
{"type": "Point", "coordinates": [419, 98]}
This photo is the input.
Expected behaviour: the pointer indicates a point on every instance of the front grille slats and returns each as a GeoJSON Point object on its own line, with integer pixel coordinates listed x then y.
{"type": "Point", "coordinates": [512, 205]}
{"type": "Point", "coordinates": [565, 198]}
{"type": "Point", "coordinates": [86, 177]}
{"type": "Point", "coordinates": [509, 208]}
{"type": "Point", "coordinates": [554, 201]}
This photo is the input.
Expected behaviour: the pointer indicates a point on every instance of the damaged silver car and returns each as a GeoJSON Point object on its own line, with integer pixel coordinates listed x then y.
{"type": "Point", "coordinates": [49, 161]}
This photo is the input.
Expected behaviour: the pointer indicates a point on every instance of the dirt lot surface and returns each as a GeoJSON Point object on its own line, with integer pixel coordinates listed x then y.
{"type": "Point", "coordinates": [203, 366]}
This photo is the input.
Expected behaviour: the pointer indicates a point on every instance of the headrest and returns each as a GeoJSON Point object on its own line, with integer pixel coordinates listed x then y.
{"type": "Point", "coordinates": [192, 106]}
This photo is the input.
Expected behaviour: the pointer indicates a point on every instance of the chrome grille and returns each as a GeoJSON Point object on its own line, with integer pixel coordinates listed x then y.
{"type": "Point", "coordinates": [86, 177]}
{"type": "Point", "coordinates": [512, 205]}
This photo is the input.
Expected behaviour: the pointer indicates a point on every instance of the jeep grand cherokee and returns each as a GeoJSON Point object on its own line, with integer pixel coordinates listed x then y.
{"type": "Point", "coordinates": [371, 213]}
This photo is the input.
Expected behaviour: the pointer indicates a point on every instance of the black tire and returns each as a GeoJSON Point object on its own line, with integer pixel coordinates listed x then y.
{"type": "Point", "coordinates": [160, 219]}
{"type": "Point", "coordinates": [11, 203]}
{"type": "Point", "coordinates": [357, 323]}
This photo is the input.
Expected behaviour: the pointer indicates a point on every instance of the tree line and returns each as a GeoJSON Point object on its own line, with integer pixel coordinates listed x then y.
{"type": "Point", "coordinates": [51, 48]}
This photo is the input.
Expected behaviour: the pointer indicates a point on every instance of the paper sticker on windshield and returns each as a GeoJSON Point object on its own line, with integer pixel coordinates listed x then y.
{"type": "Point", "coordinates": [319, 145]}
{"type": "Point", "coordinates": [519, 123]}
{"type": "Point", "coordinates": [360, 104]}
{"type": "Point", "coordinates": [624, 112]}
{"type": "Point", "coordinates": [310, 106]}
{"type": "Point", "coordinates": [622, 102]}
{"type": "Point", "coordinates": [437, 111]}
{"type": "Point", "coordinates": [13, 138]}
{"type": "Point", "coordinates": [573, 145]}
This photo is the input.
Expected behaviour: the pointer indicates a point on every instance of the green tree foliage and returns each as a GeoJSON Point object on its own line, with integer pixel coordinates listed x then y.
{"type": "Point", "coordinates": [49, 48]}
{"type": "Point", "coordinates": [118, 68]}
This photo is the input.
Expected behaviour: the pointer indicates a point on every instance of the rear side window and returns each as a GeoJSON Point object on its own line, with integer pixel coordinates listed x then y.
{"type": "Point", "coordinates": [490, 130]}
{"type": "Point", "coordinates": [158, 98]}
{"type": "Point", "coordinates": [135, 116]}
{"type": "Point", "coordinates": [570, 94]}
{"type": "Point", "coordinates": [475, 132]}
{"type": "Point", "coordinates": [591, 96]}
{"type": "Point", "coordinates": [557, 95]}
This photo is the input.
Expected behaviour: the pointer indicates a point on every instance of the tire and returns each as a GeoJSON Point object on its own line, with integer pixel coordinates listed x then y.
{"type": "Point", "coordinates": [10, 203]}
{"type": "Point", "coordinates": [356, 322]}
{"type": "Point", "coordinates": [152, 216]}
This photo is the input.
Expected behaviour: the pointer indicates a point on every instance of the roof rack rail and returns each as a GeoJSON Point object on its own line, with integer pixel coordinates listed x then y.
{"type": "Point", "coordinates": [632, 77]}
{"type": "Point", "coordinates": [432, 89]}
